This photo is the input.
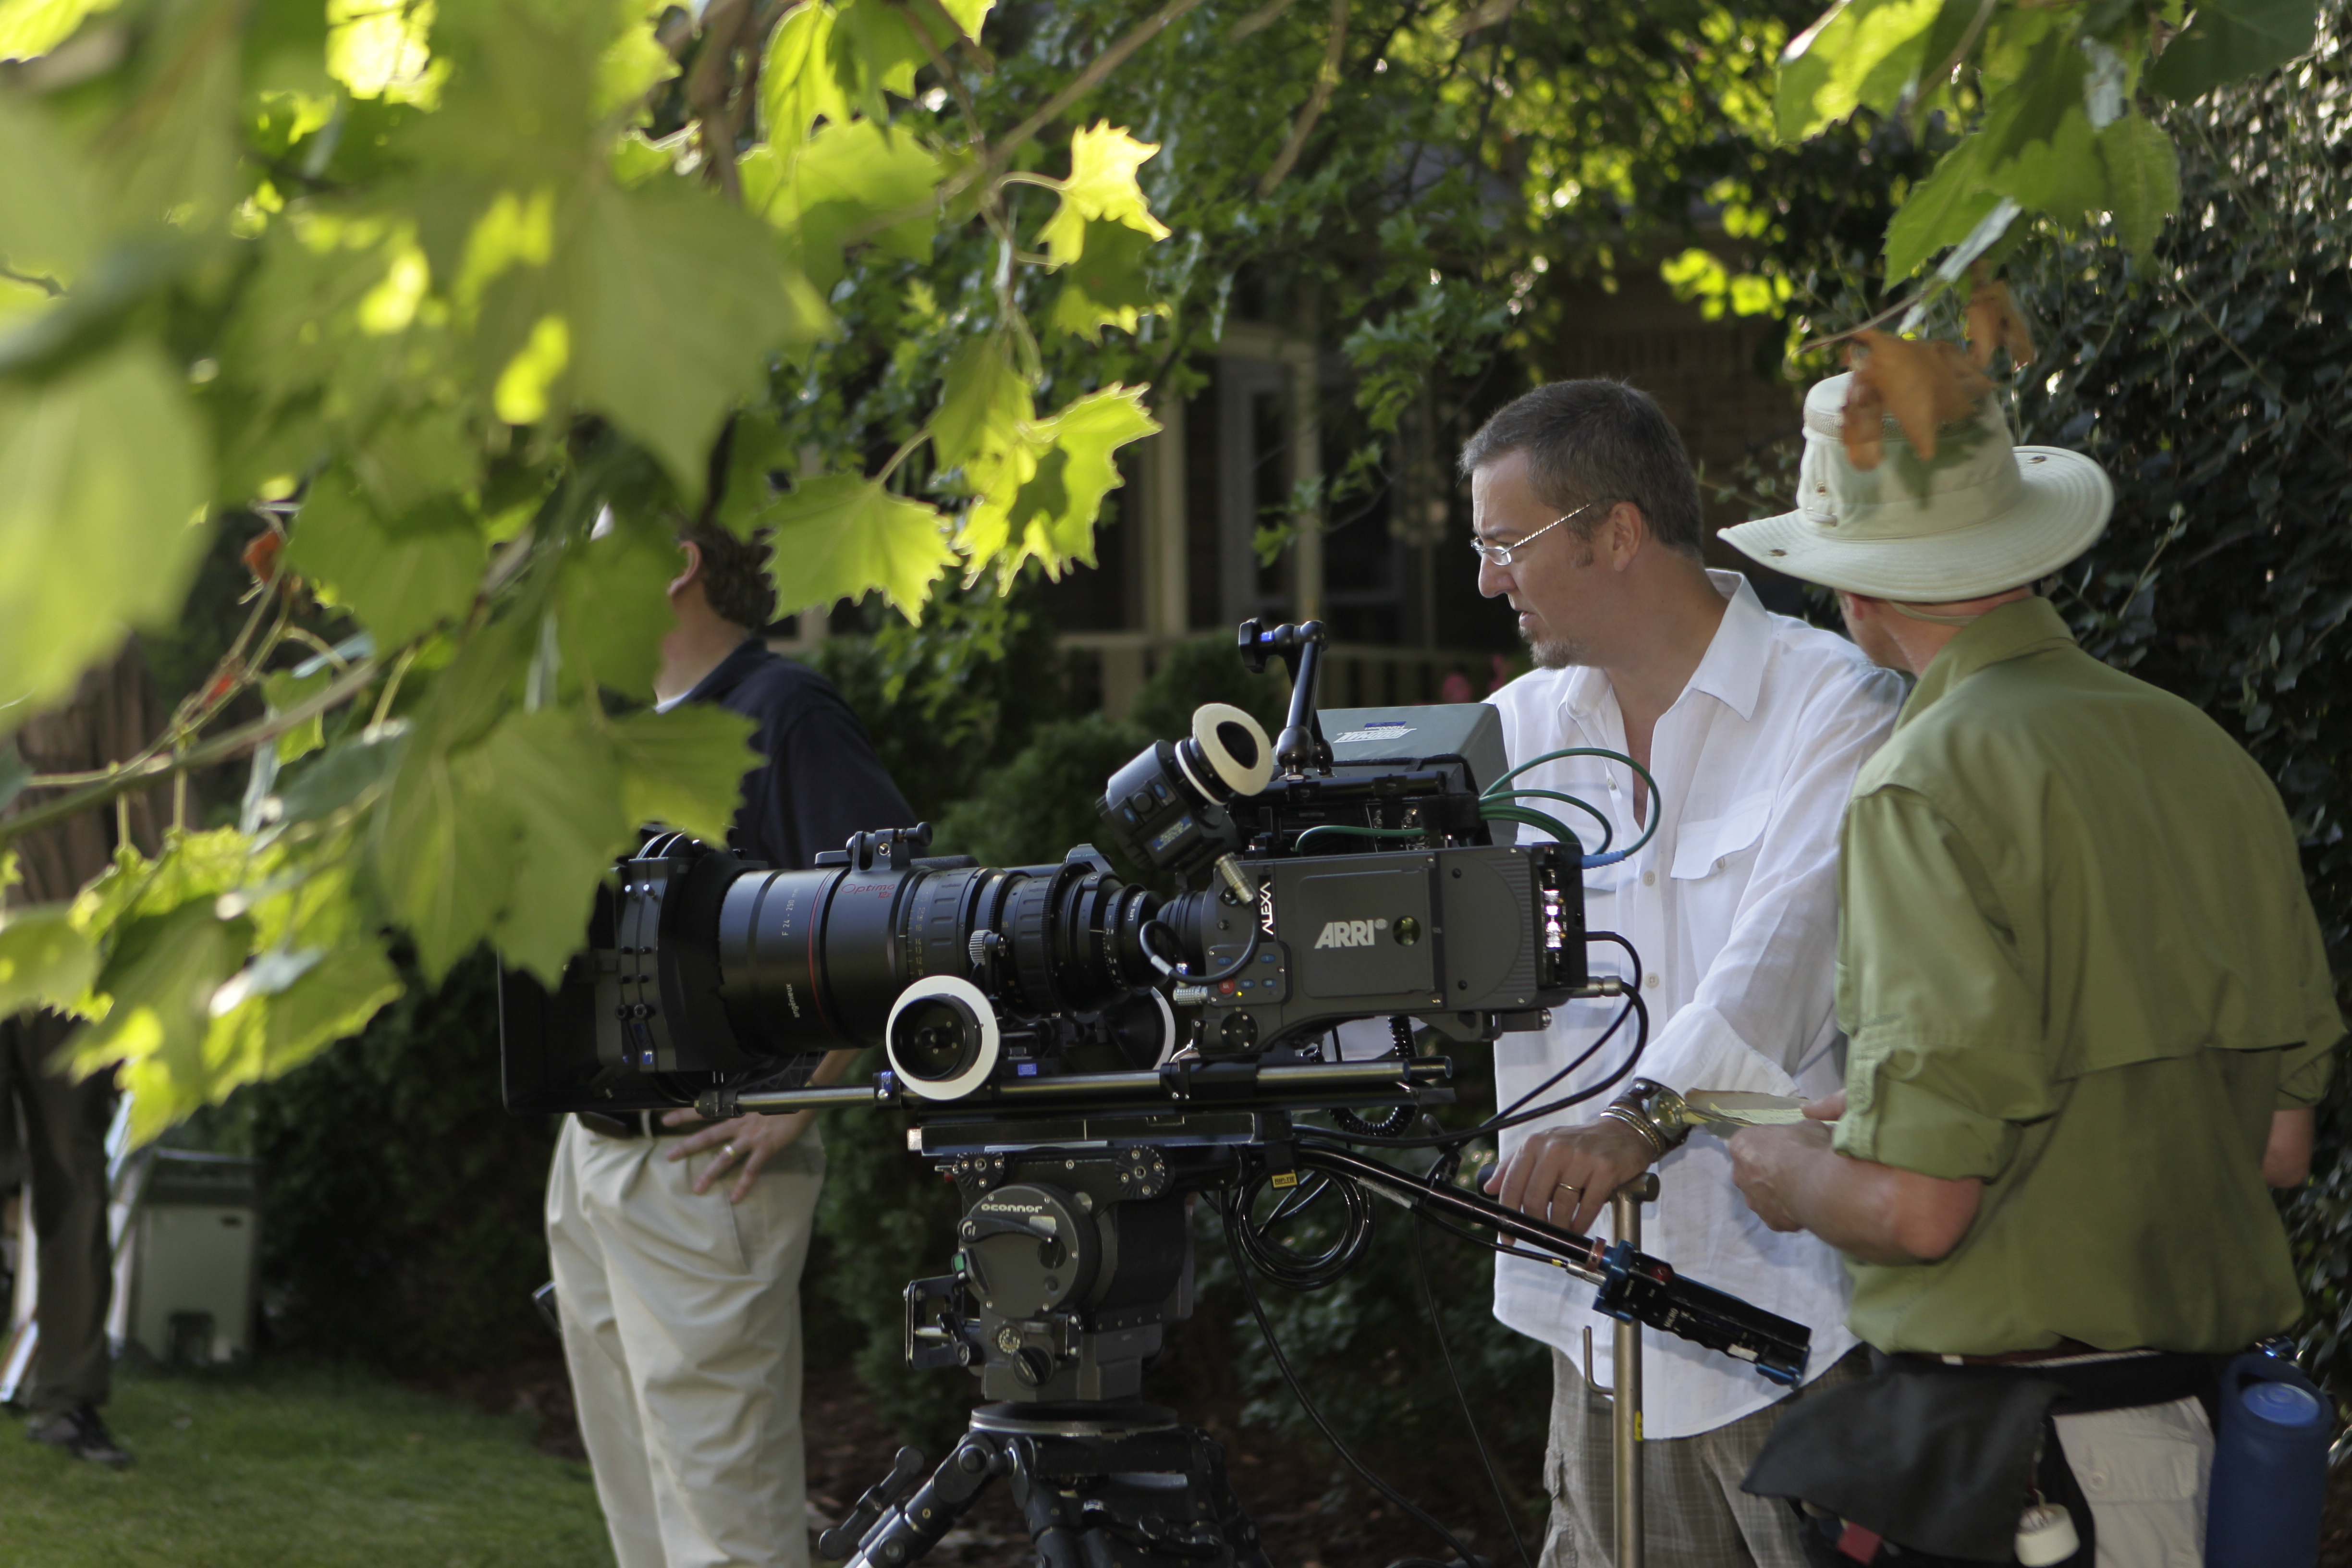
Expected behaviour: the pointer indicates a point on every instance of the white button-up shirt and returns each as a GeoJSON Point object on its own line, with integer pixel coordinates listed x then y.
{"type": "Point", "coordinates": [1733, 908]}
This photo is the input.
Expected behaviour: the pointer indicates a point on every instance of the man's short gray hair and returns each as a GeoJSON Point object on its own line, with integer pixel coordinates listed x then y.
{"type": "Point", "coordinates": [1597, 440]}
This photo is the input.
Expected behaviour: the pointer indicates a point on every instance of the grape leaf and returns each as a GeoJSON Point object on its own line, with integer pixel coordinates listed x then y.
{"type": "Point", "coordinates": [44, 959]}
{"type": "Point", "coordinates": [685, 768]}
{"type": "Point", "coordinates": [2227, 39]}
{"type": "Point", "coordinates": [30, 28]}
{"type": "Point", "coordinates": [1861, 54]}
{"type": "Point", "coordinates": [845, 177]}
{"type": "Point", "coordinates": [984, 404]}
{"type": "Point", "coordinates": [968, 14]}
{"type": "Point", "coordinates": [1101, 187]}
{"type": "Point", "coordinates": [158, 993]}
{"type": "Point", "coordinates": [874, 49]}
{"type": "Point", "coordinates": [1105, 286]}
{"type": "Point", "coordinates": [840, 536]}
{"type": "Point", "coordinates": [556, 784]}
{"type": "Point", "coordinates": [284, 1008]}
{"type": "Point", "coordinates": [2143, 180]}
{"type": "Point", "coordinates": [612, 608]}
{"type": "Point", "coordinates": [676, 301]}
{"type": "Point", "coordinates": [634, 63]}
{"type": "Point", "coordinates": [102, 476]}
{"type": "Point", "coordinates": [796, 80]}
{"type": "Point", "coordinates": [284, 690]}
{"type": "Point", "coordinates": [46, 229]}
{"type": "Point", "coordinates": [1940, 210]}
{"type": "Point", "coordinates": [1042, 503]}
{"type": "Point", "coordinates": [399, 578]}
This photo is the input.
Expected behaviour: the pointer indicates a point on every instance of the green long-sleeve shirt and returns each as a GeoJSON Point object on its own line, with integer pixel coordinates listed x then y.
{"type": "Point", "coordinates": [2076, 961]}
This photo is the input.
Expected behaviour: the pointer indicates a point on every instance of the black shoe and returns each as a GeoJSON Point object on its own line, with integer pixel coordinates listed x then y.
{"type": "Point", "coordinates": [80, 1433]}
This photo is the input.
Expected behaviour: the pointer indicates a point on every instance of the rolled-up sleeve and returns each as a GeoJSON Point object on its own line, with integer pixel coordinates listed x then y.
{"type": "Point", "coordinates": [1940, 1067]}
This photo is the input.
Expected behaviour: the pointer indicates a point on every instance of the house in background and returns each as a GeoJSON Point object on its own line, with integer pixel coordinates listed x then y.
{"type": "Point", "coordinates": [1391, 575]}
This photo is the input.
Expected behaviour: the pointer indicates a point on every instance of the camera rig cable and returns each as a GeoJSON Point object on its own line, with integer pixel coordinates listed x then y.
{"type": "Point", "coordinates": [1503, 809]}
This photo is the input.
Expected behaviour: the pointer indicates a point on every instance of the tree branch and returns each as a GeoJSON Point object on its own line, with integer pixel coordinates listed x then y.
{"type": "Point", "coordinates": [221, 749]}
{"type": "Point", "coordinates": [709, 91]}
{"type": "Point", "coordinates": [1086, 81]}
{"type": "Point", "coordinates": [1325, 80]}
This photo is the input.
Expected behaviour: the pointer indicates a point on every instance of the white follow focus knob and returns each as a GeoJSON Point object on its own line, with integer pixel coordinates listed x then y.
{"type": "Point", "coordinates": [942, 1038]}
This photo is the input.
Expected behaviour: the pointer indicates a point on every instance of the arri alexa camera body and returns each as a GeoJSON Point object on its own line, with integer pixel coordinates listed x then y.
{"type": "Point", "coordinates": [1083, 1053]}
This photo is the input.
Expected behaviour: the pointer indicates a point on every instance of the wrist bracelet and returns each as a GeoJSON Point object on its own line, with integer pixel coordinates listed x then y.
{"type": "Point", "coordinates": [1625, 1116]}
{"type": "Point", "coordinates": [1649, 1108]}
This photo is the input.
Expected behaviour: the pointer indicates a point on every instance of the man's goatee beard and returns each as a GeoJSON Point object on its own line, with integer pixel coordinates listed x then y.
{"type": "Point", "coordinates": [1564, 654]}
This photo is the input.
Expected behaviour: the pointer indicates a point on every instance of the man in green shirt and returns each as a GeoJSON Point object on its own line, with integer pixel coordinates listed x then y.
{"type": "Point", "coordinates": [2088, 1002]}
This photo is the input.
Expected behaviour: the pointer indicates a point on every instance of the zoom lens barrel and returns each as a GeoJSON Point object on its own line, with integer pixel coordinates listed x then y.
{"type": "Point", "coordinates": [815, 960]}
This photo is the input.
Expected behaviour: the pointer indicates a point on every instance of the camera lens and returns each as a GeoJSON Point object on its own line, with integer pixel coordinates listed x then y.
{"type": "Point", "coordinates": [937, 1040]}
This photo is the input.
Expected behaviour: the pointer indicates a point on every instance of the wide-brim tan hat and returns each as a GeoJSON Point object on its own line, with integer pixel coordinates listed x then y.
{"type": "Point", "coordinates": [1983, 516]}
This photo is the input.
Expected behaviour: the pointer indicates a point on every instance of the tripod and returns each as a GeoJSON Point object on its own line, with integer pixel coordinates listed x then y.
{"type": "Point", "coordinates": [1100, 1485]}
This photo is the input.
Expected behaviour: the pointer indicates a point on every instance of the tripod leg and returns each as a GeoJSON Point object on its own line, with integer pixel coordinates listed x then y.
{"type": "Point", "coordinates": [914, 1526]}
{"type": "Point", "coordinates": [1150, 1500]}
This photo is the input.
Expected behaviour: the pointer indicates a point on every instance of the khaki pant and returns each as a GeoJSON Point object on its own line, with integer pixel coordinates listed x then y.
{"type": "Point", "coordinates": [1695, 1515]}
{"type": "Point", "coordinates": [64, 1157]}
{"type": "Point", "coordinates": [2144, 1474]}
{"type": "Point", "coordinates": [682, 1330]}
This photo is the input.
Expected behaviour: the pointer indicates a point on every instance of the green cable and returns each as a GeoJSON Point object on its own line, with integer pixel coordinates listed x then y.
{"type": "Point", "coordinates": [1527, 816]}
{"type": "Point", "coordinates": [1649, 831]}
{"type": "Point", "coordinates": [1608, 828]}
{"type": "Point", "coordinates": [1300, 842]}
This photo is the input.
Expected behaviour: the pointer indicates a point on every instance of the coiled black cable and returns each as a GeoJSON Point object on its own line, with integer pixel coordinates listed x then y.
{"type": "Point", "coordinates": [1282, 1264]}
{"type": "Point", "coordinates": [1236, 1215]}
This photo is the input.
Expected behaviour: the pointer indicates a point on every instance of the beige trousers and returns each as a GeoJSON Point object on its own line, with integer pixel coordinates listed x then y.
{"type": "Point", "coordinates": [682, 1330]}
{"type": "Point", "coordinates": [1695, 1515]}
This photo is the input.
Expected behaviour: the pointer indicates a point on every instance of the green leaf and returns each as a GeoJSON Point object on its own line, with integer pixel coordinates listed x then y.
{"type": "Point", "coordinates": [634, 63]}
{"type": "Point", "coordinates": [1101, 187]}
{"type": "Point", "coordinates": [44, 959]}
{"type": "Point", "coordinates": [685, 768]}
{"type": "Point", "coordinates": [1863, 54]}
{"type": "Point", "coordinates": [503, 838]}
{"type": "Point", "coordinates": [2067, 180]}
{"type": "Point", "coordinates": [1105, 286]}
{"type": "Point", "coordinates": [874, 50]}
{"type": "Point", "coordinates": [1049, 511]}
{"type": "Point", "coordinates": [557, 783]}
{"type": "Point", "coordinates": [676, 302]}
{"type": "Point", "coordinates": [1940, 210]}
{"type": "Point", "coordinates": [968, 14]}
{"type": "Point", "coordinates": [103, 480]}
{"type": "Point", "coordinates": [30, 28]}
{"type": "Point", "coordinates": [2227, 39]}
{"type": "Point", "coordinates": [2143, 180]}
{"type": "Point", "coordinates": [612, 608]}
{"type": "Point", "coordinates": [158, 1012]}
{"type": "Point", "coordinates": [46, 229]}
{"type": "Point", "coordinates": [286, 1008]}
{"type": "Point", "coordinates": [14, 776]}
{"type": "Point", "coordinates": [796, 80]}
{"type": "Point", "coordinates": [842, 537]}
{"type": "Point", "coordinates": [846, 177]}
{"type": "Point", "coordinates": [283, 689]}
{"type": "Point", "coordinates": [400, 578]}
{"type": "Point", "coordinates": [983, 405]}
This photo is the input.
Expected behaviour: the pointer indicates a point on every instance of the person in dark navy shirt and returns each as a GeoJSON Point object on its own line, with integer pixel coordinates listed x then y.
{"type": "Point", "coordinates": [681, 1307]}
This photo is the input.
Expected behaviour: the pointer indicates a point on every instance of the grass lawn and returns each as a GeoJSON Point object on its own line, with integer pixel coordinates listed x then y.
{"type": "Point", "coordinates": [316, 1466]}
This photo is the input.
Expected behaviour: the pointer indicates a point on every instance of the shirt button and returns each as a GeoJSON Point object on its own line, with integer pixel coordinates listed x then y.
{"type": "Point", "coordinates": [1650, 981]}
{"type": "Point", "coordinates": [1613, 784]}
{"type": "Point", "coordinates": [1649, 879]}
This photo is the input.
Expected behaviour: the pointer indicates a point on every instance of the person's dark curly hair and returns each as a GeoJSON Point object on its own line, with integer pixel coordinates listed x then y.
{"type": "Point", "coordinates": [734, 574]}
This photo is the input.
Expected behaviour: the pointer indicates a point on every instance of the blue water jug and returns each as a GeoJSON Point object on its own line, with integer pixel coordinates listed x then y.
{"type": "Point", "coordinates": [2270, 1468]}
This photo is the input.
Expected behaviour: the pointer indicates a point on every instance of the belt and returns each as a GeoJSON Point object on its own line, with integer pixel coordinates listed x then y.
{"type": "Point", "coordinates": [630, 1124]}
{"type": "Point", "coordinates": [2065, 1350]}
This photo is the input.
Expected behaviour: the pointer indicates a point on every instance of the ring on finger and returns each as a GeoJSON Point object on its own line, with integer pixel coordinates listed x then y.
{"type": "Point", "coordinates": [727, 1151]}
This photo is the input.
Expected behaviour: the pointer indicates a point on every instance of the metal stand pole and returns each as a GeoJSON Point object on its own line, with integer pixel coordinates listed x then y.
{"type": "Point", "coordinates": [1626, 1382]}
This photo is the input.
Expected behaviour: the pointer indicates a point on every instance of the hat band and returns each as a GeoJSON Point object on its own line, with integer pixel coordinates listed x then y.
{"type": "Point", "coordinates": [1906, 515]}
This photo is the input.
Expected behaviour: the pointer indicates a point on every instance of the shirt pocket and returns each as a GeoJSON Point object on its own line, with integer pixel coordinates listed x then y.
{"type": "Point", "coordinates": [1701, 848]}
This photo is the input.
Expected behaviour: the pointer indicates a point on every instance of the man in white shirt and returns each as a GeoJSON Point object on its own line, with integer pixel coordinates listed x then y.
{"type": "Point", "coordinates": [1587, 517]}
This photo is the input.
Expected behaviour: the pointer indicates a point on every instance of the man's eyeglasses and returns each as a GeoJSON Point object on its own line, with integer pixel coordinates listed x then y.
{"type": "Point", "coordinates": [1500, 555]}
